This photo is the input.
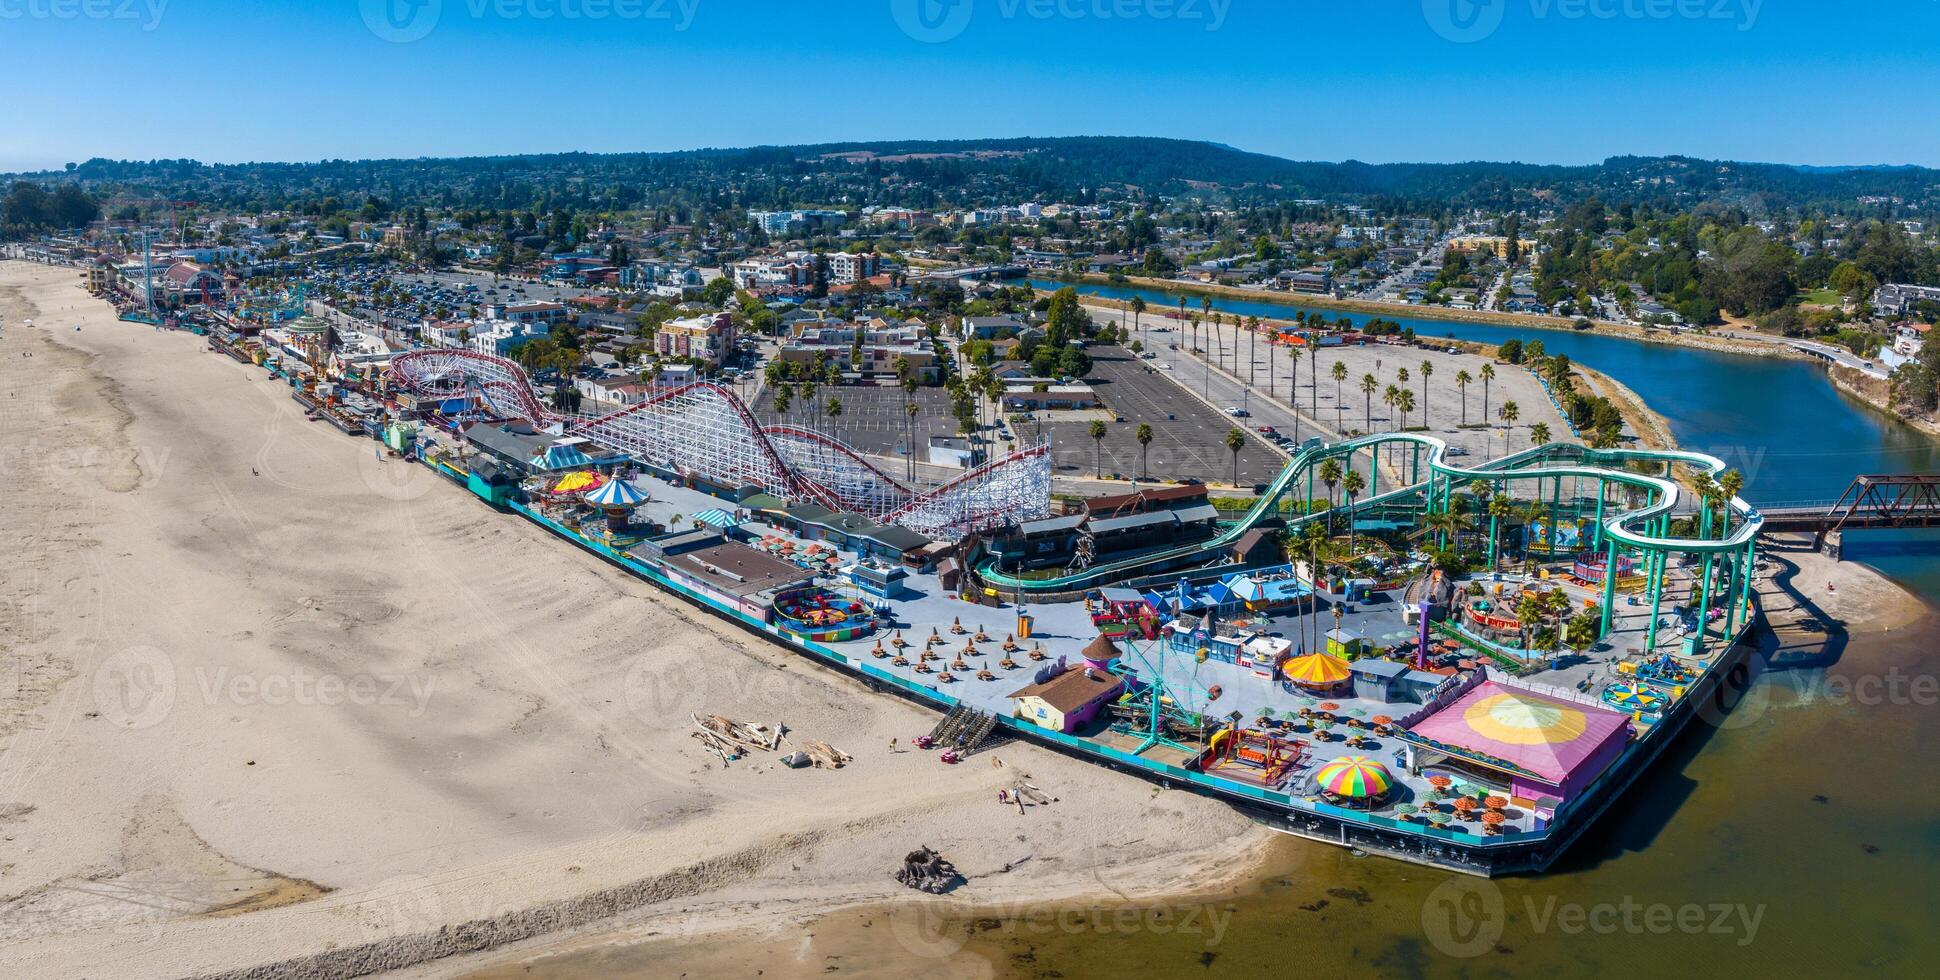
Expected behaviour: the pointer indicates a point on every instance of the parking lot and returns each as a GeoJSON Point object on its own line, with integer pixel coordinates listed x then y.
{"type": "Point", "coordinates": [1188, 437]}
{"type": "Point", "coordinates": [434, 295]}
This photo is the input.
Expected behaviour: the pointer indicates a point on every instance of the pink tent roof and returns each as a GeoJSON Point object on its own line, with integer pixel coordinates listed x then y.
{"type": "Point", "coordinates": [1544, 735]}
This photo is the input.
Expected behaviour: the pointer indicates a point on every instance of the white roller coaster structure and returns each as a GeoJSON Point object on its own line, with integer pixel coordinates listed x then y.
{"type": "Point", "coordinates": [702, 430]}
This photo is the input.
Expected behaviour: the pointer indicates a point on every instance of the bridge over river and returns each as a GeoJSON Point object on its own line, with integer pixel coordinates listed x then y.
{"type": "Point", "coordinates": [1876, 502]}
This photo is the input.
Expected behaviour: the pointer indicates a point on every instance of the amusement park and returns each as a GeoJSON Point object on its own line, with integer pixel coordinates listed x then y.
{"type": "Point", "coordinates": [1392, 648]}
{"type": "Point", "coordinates": [1455, 663]}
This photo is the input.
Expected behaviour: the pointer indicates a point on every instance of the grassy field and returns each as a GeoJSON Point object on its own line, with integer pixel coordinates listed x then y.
{"type": "Point", "coordinates": [1823, 297]}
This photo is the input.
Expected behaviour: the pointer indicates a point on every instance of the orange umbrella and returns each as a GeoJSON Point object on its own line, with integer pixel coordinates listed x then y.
{"type": "Point", "coordinates": [1495, 802]}
{"type": "Point", "coordinates": [1493, 818]}
{"type": "Point", "coordinates": [1465, 804]}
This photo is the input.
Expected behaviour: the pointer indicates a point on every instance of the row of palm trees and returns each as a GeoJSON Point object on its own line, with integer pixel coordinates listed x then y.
{"type": "Point", "coordinates": [1397, 397]}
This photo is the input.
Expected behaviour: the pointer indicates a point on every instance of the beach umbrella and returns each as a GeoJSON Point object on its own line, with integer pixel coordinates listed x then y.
{"type": "Point", "coordinates": [1330, 706]}
{"type": "Point", "coordinates": [1407, 808]}
{"type": "Point", "coordinates": [1355, 777]}
{"type": "Point", "coordinates": [1493, 818]}
{"type": "Point", "coordinates": [1495, 802]}
{"type": "Point", "coordinates": [1465, 804]}
{"type": "Point", "coordinates": [1438, 818]}
{"type": "Point", "coordinates": [1382, 720]}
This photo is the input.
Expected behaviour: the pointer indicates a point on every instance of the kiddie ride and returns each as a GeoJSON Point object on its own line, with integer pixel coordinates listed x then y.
{"type": "Point", "coordinates": [825, 617]}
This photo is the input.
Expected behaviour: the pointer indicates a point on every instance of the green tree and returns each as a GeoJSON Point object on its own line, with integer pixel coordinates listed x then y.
{"type": "Point", "coordinates": [1235, 440]}
{"type": "Point", "coordinates": [1427, 371]}
{"type": "Point", "coordinates": [1097, 432]}
{"type": "Point", "coordinates": [1339, 374]}
{"type": "Point", "coordinates": [1330, 477]}
{"type": "Point", "coordinates": [1352, 484]}
{"type": "Point", "coordinates": [1462, 381]}
{"type": "Point", "coordinates": [1144, 438]}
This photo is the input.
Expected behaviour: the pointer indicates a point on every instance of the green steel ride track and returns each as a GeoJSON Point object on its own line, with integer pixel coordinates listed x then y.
{"type": "Point", "coordinates": [1644, 529]}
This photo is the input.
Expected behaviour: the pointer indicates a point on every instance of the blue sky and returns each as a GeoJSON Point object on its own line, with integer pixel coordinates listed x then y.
{"type": "Point", "coordinates": [1799, 81]}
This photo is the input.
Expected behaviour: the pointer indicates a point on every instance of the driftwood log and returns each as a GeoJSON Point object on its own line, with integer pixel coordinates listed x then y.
{"type": "Point", "coordinates": [927, 871]}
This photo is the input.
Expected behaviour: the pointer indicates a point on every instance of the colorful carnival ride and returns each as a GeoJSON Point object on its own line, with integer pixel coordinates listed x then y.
{"type": "Point", "coordinates": [1251, 756]}
{"type": "Point", "coordinates": [824, 616]}
{"type": "Point", "coordinates": [704, 433]}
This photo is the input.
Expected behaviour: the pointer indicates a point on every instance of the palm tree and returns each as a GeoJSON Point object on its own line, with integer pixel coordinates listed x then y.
{"type": "Point", "coordinates": [1316, 546]}
{"type": "Point", "coordinates": [1339, 374]}
{"type": "Point", "coordinates": [1404, 402]}
{"type": "Point", "coordinates": [1293, 383]}
{"type": "Point", "coordinates": [834, 410]}
{"type": "Point", "coordinates": [1509, 414]}
{"type": "Point", "coordinates": [1427, 371]}
{"type": "Point", "coordinates": [1488, 375]}
{"type": "Point", "coordinates": [1446, 525]}
{"type": "Point", "coordinates": [1097, 432]}
{"type": "Point", "coordinates": [1729, 486]}
{"type": "Point", "coordinates": [1330, 477]}
{"type": "Point", "coordinates": [1137, 307]}
{"type": "Point", "coordinates": [911, 411]}
{"type": "Point", "coordinates": [1235, 440]}
{"type": "Point", "coordinates": [1352, 484]}
{"type": "Point", "coordinates": [1368, 385]}
{"type": "Point", "coordinates": [1500, 510]}
{"type": "Point", "coordinates": [1707, 491]}
{"type": "Point", "coordinates": [1313, 401]}
{"type": "Point", "coordinates": [1144, 437]}
{"type": "Point", "coordinates": [1462, 381]}
{"type": "Point", "coordinates": [1389, 397]}
{"type": "Point", "coordinates": [1539, 434]}
{"type": "Point", "coordinates": [1252, 350]}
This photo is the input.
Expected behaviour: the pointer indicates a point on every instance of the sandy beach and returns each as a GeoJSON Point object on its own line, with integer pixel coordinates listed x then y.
{"type": "Point", "coordinates": [275, 706]}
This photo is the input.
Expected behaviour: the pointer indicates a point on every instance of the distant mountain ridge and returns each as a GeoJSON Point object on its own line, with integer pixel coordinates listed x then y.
{"type": "Point", "coordinates": [969, 171]}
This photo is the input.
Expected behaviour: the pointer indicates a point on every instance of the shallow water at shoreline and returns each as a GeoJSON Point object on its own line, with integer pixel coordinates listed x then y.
{"type": "Point", "coordinates": [1797, 838]}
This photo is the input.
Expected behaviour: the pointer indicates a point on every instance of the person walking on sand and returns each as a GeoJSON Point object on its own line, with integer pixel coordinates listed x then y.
{"type": "Point", "coordinates": [892, 746]}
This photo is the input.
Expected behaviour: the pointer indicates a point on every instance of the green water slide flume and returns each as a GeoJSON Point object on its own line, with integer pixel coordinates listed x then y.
{"type": "Point", "coordinates": [1631, 528]}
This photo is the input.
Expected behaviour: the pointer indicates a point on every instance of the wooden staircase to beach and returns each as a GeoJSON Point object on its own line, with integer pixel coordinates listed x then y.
{"type": "Point", "coordinates": [964, 729]}
{"type": "Point", "coordinates": [952, 725]}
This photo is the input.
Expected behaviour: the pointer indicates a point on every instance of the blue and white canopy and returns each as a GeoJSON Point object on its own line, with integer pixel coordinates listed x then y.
{"type": "Point", "coordinates": [716, 517]}
{"type": "Point", "coordinates": [617, 493]}
{"type": "Point", "coordinates": [557, 457]}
